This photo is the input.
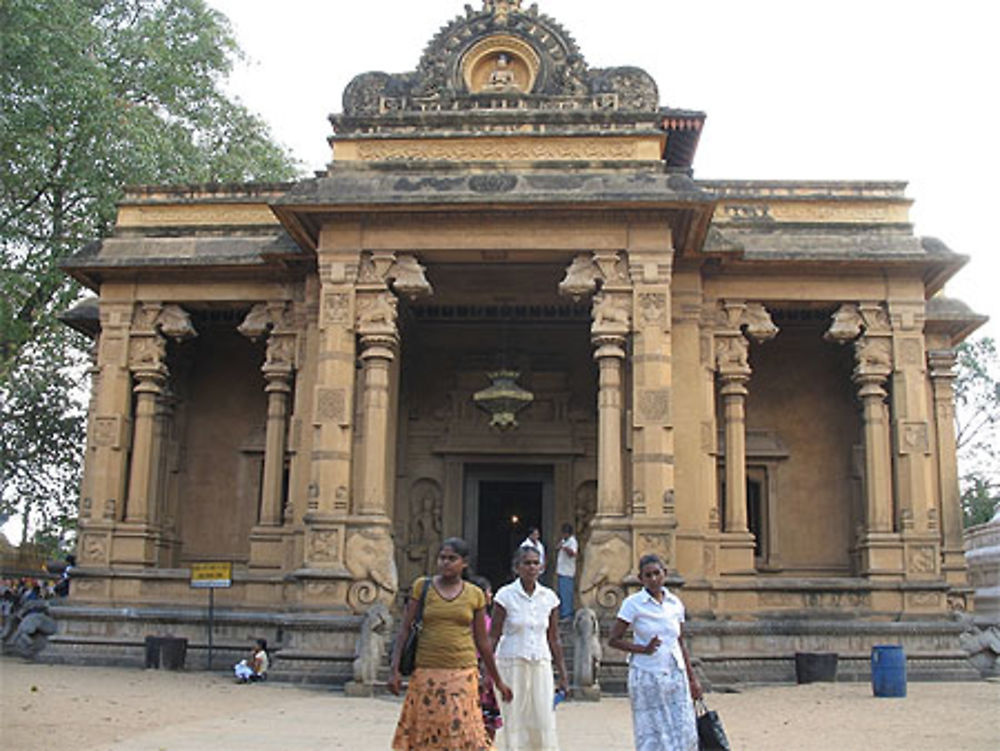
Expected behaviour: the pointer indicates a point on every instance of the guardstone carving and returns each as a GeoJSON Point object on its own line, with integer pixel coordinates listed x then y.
{"type": "Point", "coordinates": [368, 555]}
{"type": "Point", "coordinates": [606, 563]}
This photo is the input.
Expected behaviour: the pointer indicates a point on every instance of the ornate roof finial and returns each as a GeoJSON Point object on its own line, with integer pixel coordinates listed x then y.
{"type": "Point", "coordinates": [501, 8]}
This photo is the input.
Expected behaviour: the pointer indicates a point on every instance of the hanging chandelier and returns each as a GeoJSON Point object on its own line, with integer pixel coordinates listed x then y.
{"type": "Point", "coordinates": [503, 399]}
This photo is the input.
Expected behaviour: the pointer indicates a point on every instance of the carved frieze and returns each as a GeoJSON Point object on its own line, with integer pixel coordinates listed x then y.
{"type": "Point", "coordinates": [94, 549]}
{"type": "Point", "coordinates": [331, 405]}
{"type": "Point", "coordinates": [147, 352]}
{"type": "Point", "coordinates": [913, 437]}
{"type": "Point", "coordinates": [611, 315]}
{"type": "Point", "coordinates": [653, 407]}
{"type": "Point", "coordinates": [376, 313]}
{"type": "Point", "coordinates": [655, 543]}
{"type": "Point", "coordinates": [280, 352]}
{"type": "Point", "coordinates": [337, 308]}
{"type": "Point", "coordinates": [324, 546]}
{"type": "Point", "coordinates": [653, 308]}
{"type": "Point", "coordinates": [732, 355]}
{"type": "Point", "coordinates": [108, 431]}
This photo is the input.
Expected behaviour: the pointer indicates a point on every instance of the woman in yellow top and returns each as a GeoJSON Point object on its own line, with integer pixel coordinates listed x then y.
{"type": "Point", "coordinates": [441, 709]}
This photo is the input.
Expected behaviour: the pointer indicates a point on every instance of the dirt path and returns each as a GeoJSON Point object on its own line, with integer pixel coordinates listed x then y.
{"type": "Point", "coordinates": [112, 709]}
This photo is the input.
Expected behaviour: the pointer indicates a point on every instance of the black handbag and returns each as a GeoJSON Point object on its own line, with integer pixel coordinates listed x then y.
{"type": "Point", "coordinates": [408, 657]}
{"type": "Point", "coordinates": [711, 734]}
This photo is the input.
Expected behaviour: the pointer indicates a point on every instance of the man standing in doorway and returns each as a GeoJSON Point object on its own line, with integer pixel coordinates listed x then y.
{"type": "Point", "coordinates": [566, 571]}
{"type": "Point", "coordinates": [534, 541]}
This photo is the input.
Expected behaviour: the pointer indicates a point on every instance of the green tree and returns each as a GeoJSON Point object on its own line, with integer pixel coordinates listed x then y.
{"type": "Point", "coordinates": [977, 419]}
{"type": "Point", "coordinates": [94, 95]}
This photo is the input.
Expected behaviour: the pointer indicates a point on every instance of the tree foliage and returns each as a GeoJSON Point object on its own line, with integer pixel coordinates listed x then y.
{"type": "Point", "coordinates": [95, 95]}
{"type": "Point", "coordinates": [977, 425]}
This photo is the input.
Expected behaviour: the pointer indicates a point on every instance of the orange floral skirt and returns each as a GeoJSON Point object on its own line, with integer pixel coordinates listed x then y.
{"type": "Point", "coordinates": [441, 712]}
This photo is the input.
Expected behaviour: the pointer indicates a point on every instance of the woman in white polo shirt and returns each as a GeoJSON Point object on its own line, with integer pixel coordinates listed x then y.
{"type": "Point", "coordinates": [661, 685]}
{"type": "Point", "coordinates": [526, 623]}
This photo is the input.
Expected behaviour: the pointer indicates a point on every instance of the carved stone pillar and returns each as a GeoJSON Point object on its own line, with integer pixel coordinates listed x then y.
{"type": "Point", "coordinates": [143, 479]}
{"type": "Point", "coordinates": [737, 321]}
{"type": "Point", "coordinates": [273, 320]}
{"type": "Point", "coordinates": [378, 350]}
{"type": "Point", "coordinates": [609, 354]}
{"type": "Point", "coordinates": [611, 325]}
{"type": "Point", "coordinates": [372, 565]}
{"type": "Point", "coordinates": [611, 539]}
{"type": "Point", "coordinates": [942, 371]}
{"type": "Point", "coordinates": [137, 543]}
{"type": "Point", "coordinates": [867, 326]}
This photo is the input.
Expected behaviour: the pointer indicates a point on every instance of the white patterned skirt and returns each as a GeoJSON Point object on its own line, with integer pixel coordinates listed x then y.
{"type": "Point", "coordinates": [662, 710]}
{"type": "Point", "coordinates": [529, 721]}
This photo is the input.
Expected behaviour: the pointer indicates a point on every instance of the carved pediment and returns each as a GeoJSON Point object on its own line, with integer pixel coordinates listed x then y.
{"type": "Point", "coordinates": [501, 50]}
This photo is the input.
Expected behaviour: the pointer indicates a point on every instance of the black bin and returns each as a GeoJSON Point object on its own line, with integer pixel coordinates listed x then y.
{"type": "Point", "coordinates": [815, 667]}
{"type": "Point", "coordinates": [166, 651]}
{"type": "Point", "coordinates": [153, 644]}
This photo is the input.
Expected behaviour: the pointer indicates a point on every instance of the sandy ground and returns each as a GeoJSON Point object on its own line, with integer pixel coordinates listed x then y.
{"type": "Point", "coordinates": [112, 709]}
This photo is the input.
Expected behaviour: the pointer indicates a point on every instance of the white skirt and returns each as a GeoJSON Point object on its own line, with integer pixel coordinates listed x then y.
{"type": "Point", "coordinates": [529, 721]}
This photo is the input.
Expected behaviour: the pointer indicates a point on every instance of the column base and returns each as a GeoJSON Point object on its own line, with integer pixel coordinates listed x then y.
{"type": "Point", "coordinates": [267, 548]}
{"type": "Point", "coordinates": [736, 554]}
{"type": "Point", "coordinates": [880, 556]}
{"type": "Point", "coordinates": [135, 545]}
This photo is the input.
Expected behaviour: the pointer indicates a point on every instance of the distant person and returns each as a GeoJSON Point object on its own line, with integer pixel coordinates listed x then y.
{"type": "Point", "coordinates": [442, 710]}
{"type": "Point", "coordinates": [566, 570]}
{"type": "Point", "coordinates": [61, 587]}
{"type": "Point", "coordinates": [526, 634]}
{"type": "Point", "coordinates": [661, 685]}
{"type": "Point", "coordinates": [534, 540]}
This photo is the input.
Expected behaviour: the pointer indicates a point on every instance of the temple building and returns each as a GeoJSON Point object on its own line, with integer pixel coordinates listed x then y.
{"type": "Point", "coordinates": [507, 302]}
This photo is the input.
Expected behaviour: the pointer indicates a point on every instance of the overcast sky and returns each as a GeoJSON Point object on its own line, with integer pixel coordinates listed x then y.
{"type": "Point", "coordinates": [880, 89]}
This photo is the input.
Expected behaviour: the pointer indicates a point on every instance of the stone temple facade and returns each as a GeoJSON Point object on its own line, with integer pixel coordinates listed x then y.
{"type": "Point", "coordinates": [752, 379]}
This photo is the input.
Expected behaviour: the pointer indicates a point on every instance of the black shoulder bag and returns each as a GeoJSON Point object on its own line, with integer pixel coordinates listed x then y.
{"type": "Point", "coordinates": [711, 735]}
{"type": "Point", "coordinates": [408, 657]}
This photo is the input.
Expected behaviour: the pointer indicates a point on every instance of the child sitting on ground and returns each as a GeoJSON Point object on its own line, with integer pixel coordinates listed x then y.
{"type": "Point", "coordinates": [254, 669]}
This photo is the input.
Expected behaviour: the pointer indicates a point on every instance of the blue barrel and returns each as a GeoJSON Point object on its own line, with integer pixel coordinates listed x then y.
{"type": "Point", "coordinates": [888, 670]}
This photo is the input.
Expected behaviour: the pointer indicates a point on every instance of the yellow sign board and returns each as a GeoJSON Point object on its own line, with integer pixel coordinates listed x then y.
{"type": "Point", "coordinates": [212, 575]}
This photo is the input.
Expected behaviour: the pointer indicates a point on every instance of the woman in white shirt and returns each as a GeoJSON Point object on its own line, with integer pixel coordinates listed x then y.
{"type": "Point", "coordinates": [525, 630]}
{"type": "Point", "coordinates": [661, 685]}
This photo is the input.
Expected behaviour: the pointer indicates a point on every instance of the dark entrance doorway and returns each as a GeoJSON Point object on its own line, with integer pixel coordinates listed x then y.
{"type": "Point", "coordinates": [501, 505]}
{"type": "Point", "coordinates": [507, 510]}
